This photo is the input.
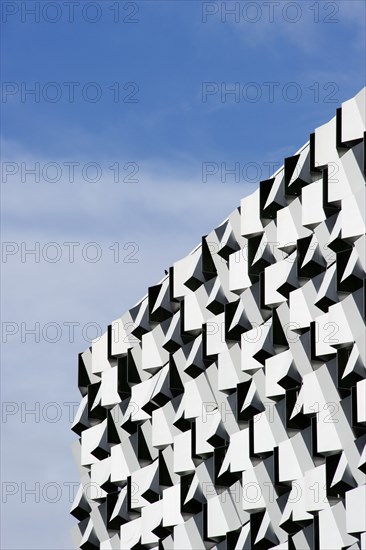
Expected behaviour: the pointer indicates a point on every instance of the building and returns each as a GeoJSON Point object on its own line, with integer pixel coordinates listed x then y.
{"type": "Point", "coordinates": [227, 409]}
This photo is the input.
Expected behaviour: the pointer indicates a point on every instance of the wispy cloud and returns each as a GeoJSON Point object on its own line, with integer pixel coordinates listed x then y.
{"type": "Point", "coordinates": [304, 25]}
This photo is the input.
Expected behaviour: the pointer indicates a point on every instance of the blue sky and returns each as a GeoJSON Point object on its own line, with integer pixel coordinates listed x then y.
{"type": "Point", "coordinates": [175, 61]}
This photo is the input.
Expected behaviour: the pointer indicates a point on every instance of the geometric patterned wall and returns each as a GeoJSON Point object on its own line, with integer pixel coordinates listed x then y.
{"type": "Point", "coordinates": [227, 409]}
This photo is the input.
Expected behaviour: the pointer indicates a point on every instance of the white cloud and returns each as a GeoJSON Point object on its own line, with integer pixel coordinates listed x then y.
{"type": "Point", "coordinates": [165, 213]}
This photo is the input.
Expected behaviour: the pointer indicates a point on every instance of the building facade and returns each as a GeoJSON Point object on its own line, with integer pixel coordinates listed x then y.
{"type": "Point", "coordinates": [227, 409]}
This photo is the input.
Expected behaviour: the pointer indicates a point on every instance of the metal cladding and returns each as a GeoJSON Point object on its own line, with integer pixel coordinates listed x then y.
{"type": "Point", "coordinates": [227, 409]}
